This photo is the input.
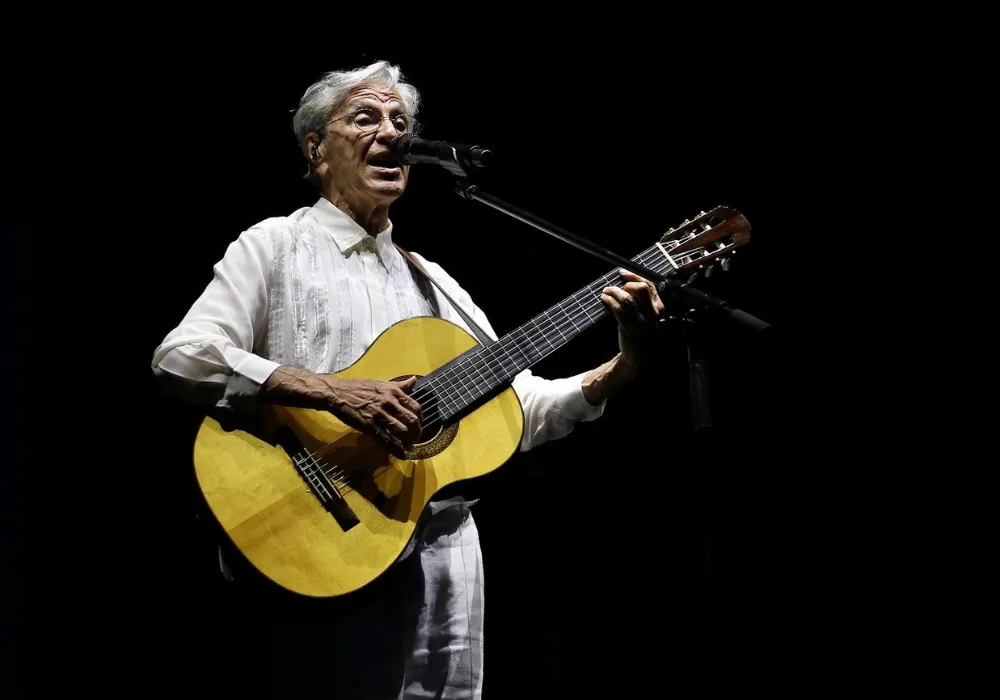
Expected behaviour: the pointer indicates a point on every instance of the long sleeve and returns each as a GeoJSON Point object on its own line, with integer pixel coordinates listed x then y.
{"type": "Point", "coordinates": [552, 407]}
{"type": "Point", "coordinates": [209, 357]}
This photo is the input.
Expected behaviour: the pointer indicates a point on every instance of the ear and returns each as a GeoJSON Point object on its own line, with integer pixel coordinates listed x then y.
{"type": "Point", "coordinates": [313, 150]}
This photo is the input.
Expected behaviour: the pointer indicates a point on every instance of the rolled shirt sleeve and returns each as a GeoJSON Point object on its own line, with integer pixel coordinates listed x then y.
{"type": "Point", "coordinates": [552, 407]}
{"type": "Point", "coordinates": [209, 357]}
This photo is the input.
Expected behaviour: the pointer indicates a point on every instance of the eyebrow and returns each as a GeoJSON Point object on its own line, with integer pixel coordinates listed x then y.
{"type": "Point", "coordinates": [394, 104]}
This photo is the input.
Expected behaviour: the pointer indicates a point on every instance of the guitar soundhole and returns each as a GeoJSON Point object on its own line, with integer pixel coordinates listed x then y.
{"type": "Point", "coordinates": [435, 436]}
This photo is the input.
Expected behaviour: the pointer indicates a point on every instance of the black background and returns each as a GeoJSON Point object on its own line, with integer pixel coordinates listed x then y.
{"type": "Point", "coordinates": [830, 575]}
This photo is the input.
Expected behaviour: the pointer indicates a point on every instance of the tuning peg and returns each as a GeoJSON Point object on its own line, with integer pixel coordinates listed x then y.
{"type": "Point", "coordinates": [701, 213]}
{"type": "Point", "coordinates": [725, 264]}
{"type": "Point", "coordinates": [708, 271]}
{"type": "Point", "coordinates": [693, 277]}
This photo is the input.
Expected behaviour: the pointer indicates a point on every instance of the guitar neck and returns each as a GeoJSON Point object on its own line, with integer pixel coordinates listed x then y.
{"type": "Point", "coordinates": [484, 370]}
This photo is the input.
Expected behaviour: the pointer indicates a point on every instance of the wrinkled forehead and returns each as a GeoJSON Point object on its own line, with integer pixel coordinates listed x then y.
{"type": "Point", "coordinates": [371, 95]}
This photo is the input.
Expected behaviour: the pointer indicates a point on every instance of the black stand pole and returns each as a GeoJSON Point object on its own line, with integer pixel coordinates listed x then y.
{"type": "Point", "coordinates": [697, 304]}
{"type": "Point", "coordinates": [701, 420]}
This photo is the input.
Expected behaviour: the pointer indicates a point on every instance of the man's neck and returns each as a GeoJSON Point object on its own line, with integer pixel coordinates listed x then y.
{"type": "Point", "coordinates": [371, 218]}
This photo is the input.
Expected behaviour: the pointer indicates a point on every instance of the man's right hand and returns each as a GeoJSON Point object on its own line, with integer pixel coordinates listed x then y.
{"type": "Point", "coordinates": [382, 409]}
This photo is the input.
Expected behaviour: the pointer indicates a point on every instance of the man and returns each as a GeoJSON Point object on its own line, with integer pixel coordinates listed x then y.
{"type": "Point", "coordinates": [297, 298]}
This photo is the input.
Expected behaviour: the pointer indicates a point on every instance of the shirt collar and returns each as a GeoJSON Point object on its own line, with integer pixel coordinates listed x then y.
{"type": "Point", "coordinates": [347, 233]}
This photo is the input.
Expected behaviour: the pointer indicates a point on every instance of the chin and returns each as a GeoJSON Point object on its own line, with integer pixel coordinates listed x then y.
{"type": "Point", "coordinates": [387, 190]}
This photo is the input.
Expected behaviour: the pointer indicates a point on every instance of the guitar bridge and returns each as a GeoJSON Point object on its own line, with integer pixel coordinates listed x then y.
{"type": "Point", "coordinates": [320, 485]}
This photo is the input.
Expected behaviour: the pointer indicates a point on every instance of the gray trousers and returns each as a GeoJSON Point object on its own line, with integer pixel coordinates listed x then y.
{"type": "Point", "coordinates": [421, 636]}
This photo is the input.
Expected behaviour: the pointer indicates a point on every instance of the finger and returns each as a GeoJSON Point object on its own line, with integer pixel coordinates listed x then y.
{"type": "Point", "coordinates": [390, 442]}
{"type": "Point", "coordinates": [408, 417]}
{"type": "Point", "coordinates": [634, 280]}
{"type": "Point", "coordinates": [409, 403]}
{"type": "Point", "coordinates": [637, 289]}
{"type": "Point", "coordinates": [383, 437]}
{"type": "Point", "coordinates": [386, 420]}
{"type": "Point", "coordinates": [411, 420]}
{"type": "Point", "coordinates": [391, 437]}
{"type": "Point", "coordinates": [647, 300]}
{"type": "Point", "coordinates": [654, 296]}
{"type": "Point", "coordinates": [612, 303]}
{"type": "Point", "coordinates": [632, 277]}
{"type": "Point", "coordinates": [626, 314]}
{"type": "Point", "coordinates": [658, 305]}
{"type": "Point", "coordinates": [624, 299]}
{"type": "Point", "coordinates": [406, 384]}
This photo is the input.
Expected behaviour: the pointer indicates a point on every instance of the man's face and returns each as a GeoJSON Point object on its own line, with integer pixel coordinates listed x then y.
{"type": "Point", "coordinates": [362, 168]}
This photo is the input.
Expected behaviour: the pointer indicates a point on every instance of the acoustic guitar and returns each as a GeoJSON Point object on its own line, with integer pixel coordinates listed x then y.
{"type": "Point", "coordinates": [323, 510]}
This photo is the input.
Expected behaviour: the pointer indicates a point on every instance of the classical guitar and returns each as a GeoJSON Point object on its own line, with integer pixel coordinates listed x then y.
{"type": "Point", "coordinates": [322, 510]}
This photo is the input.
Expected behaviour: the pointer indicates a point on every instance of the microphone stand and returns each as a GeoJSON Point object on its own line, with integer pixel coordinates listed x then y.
{"type": "Point", "coordinates": [697, 305]}
{"type": "Point", "coordinates": [682, 291]}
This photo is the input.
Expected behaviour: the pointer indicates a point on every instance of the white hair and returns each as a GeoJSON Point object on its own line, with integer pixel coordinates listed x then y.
{"type": "Point", "coordinates": [326, 94]}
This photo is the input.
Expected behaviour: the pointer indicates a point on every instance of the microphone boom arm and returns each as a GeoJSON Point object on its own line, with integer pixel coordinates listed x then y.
{"type": "Point", "coordinates": [470, 191]}
{"type": "Point", "coordinates": [695, 298]}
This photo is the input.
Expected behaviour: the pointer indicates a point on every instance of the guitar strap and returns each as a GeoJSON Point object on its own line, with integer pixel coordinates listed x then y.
{"type": "Point", "coordinates": [480, 333]}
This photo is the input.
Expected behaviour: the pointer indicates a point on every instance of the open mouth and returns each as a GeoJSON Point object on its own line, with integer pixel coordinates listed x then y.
{"type": "Point", "coordinates": [384, 161]}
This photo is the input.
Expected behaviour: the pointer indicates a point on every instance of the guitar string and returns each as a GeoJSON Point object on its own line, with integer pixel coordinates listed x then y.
{"type": "Point", "coordinates": [460, 370]}
{"type": "Point", "coordinates": [436, 415]}
{"type": "Point", "coordinates": [653, 253]}
{"type": "Point", "coordinates": [545, 328]}
{"type": "Point", "coordinates": [567, 322]}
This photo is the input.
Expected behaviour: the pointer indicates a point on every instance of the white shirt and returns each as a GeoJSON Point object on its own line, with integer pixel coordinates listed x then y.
{"type": "Point", "coordinates": [313, 290]}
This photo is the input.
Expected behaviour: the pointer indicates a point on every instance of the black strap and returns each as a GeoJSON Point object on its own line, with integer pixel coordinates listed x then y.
{"type": "Point", "coordinates": [480, 333]}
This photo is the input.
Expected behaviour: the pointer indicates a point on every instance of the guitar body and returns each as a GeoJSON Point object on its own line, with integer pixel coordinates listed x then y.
{"type": "Point", "coordinates": [265, 495]}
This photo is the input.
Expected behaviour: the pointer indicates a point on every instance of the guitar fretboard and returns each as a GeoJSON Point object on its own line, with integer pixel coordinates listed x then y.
{"type": "Point", "coordinates": [484, 370]}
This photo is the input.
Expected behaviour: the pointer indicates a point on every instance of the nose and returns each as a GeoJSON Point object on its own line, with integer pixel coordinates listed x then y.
{"type": "Point", "coordinates": [386, 131]}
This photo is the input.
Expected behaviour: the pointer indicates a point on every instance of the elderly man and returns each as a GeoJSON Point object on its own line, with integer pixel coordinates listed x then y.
{"type": "Point", "coordinates": [296, 298]}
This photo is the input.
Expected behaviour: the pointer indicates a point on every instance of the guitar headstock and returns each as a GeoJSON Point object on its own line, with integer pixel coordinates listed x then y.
{"type": "Point", "coordinates": [710, 238]}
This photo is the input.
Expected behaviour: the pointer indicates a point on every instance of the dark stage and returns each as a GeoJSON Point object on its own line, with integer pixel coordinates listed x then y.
{"type": "Point", "coordinates": [594, 545]}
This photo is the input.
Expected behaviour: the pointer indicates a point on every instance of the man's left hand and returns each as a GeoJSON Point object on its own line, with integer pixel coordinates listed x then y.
{"type": "Point", "coordinates": [637, 307]}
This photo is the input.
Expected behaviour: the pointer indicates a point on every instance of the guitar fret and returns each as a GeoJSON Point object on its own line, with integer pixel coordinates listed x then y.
{"type": "Point", "coordinates": [476, 366]}
{"type": "Point", "coordinates": [491, 354]}
{"type": "Point", "coordinates": [471, 377]}
{"type": "Point", "coordinates": [441, 393]}
{"type": "Point", "coordinates": [465, 388]}
{"type": "Point", "coordinates": [510, 347]}
{"type": "Point", "coordinates": [558, 330]}
{"type": "Point", "coordinates": [509, 372]}
{"type": "Point", "coordinates": [461, 385]}
{"type": "Point", "coordinates": [545, 336]}
{"type": "Point", "coordinates": [538, 353]}
{"type": "Point", "coordinates": [479, 388]}
{"type": "Point", "coordinates": [571, 316]}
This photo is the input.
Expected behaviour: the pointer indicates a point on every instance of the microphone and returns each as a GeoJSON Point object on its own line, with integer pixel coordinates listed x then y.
{"type": "Point", "coordinates": [455, 157]}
